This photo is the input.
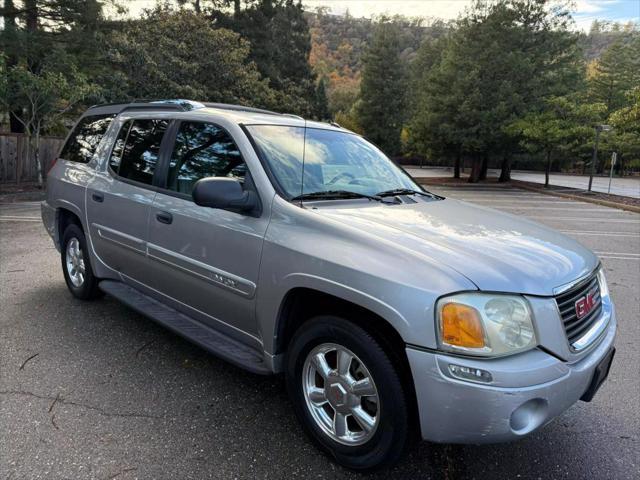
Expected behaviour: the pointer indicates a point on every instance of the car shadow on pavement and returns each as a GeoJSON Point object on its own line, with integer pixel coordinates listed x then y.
{"type": "Point", "coordinates": [106, 371]}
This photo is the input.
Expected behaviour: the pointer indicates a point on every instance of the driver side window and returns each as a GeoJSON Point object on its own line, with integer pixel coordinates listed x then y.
{"type": "Point", "coordinates": [203, 150]}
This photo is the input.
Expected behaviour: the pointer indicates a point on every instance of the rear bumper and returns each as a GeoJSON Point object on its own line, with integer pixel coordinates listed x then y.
{"type": "Point", "coordinates": [49, 219]}
{"type": "Point", "coordinates": [528, 391]}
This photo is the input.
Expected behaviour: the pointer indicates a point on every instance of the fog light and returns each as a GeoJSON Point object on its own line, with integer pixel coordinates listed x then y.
{"type": "Point", "coordinates": [470, 374]}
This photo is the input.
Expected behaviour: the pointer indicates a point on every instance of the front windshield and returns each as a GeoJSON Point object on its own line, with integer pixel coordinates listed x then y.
{"type": "Point", "coordinates": [333, 161]}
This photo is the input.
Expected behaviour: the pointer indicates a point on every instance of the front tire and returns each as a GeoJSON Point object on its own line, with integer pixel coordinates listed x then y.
{"type": "Point", "coordinates": [347, 394]}
{"type": "Point", "coordinates": [76, 266]}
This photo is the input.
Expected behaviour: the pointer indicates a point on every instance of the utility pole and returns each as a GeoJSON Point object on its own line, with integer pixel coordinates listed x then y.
{"type": "Point", "coordinates": [594, 160]}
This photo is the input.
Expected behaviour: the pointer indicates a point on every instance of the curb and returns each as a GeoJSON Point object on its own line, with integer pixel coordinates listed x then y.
{"type": "Point", "coordinates": [15, 197]}
{"type": "Point", "coordinates": [596, 201]}
{"type": "Point", "coordinates": [524, 186]}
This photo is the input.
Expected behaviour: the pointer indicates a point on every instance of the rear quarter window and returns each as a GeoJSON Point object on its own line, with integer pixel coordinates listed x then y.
{"type": "Point", "coordinates": [85, 138]}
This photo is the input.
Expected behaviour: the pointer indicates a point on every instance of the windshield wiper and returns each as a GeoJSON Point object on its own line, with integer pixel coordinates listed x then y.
{"type": "Point", "coordinates": [406, 191]}
{"type": "Point", "coordinates": [336, 194]}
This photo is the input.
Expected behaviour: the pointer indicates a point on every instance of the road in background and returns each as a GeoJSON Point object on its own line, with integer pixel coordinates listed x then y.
{"type": "Point", "coordinates": [92, 390]}
{"type": "Point", "coordinates": [627, 186]}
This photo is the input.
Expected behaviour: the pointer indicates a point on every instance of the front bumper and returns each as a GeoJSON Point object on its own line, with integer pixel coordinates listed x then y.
{"type": "Point", "coordinates": [528, 391]}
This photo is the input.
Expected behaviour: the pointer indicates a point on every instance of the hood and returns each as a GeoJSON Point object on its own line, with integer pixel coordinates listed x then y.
{"type": "Point", "coordinates": [495, 250]}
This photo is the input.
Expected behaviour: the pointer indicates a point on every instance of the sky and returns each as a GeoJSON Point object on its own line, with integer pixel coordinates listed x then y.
{"type": "Point", "coordinates": [584, 12]}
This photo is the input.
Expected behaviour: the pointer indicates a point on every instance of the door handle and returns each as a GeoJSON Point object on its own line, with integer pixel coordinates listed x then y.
{"type": "Point", "coordinates": [164, 217]}
{"type": "Point", "coordinates": [97, 197]}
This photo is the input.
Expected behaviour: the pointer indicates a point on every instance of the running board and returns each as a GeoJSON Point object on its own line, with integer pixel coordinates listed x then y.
{"type": "Point", "coordinates": [211, 340]}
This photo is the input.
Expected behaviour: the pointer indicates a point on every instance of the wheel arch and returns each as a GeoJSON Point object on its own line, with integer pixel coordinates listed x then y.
{"type": "Point", "coordinates": [300, 304]}
{"type": "Point", "coordinates": [66, 217]}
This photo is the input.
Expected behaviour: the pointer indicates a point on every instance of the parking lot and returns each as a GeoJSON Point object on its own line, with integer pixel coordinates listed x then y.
{"type": "Point", "coordinates": [96, 391]}
{"type": "Point", "coordinates": [627, 186]}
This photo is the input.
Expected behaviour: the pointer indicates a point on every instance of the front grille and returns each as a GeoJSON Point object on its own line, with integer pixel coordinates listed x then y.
{"type": "Point", "coordinates": [574, 326]}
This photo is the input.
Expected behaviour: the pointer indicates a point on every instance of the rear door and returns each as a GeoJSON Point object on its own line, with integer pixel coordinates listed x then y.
{"type": "Point", "coordinates": [206, 260]}
{"type": "Point", "coordinates": [119, 198]}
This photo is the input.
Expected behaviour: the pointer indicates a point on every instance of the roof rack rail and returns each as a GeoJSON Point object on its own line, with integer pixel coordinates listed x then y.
{"type": "Point", "coordinates": [184, 105]}
{"type": "Point", "coordinates": [153, 104]}
{"type": "Point", "coordinates": [171, 104]}
{"type": "Point", "coordinates": [239, 108]}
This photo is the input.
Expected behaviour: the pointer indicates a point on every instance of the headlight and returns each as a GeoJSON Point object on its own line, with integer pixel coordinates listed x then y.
{"type": "Point", "coordinates": [485, 324]}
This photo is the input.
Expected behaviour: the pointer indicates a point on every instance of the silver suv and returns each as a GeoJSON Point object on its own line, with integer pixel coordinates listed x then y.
{"type": "Point", "coordinates": [288, 246]}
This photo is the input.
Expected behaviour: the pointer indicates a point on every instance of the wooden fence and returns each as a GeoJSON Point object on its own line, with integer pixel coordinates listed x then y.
{"type": "Point", "coordinates": [16, 166]}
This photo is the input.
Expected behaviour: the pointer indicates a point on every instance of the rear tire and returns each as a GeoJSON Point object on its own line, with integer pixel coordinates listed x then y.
{"type": "Point", "coordinates": [76, 265]}
{"type": "Point", "coordinates": [364, 427]}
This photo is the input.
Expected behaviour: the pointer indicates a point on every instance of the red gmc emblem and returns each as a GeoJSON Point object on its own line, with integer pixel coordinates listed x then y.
{"type": "Point", "coordinates": [584, 305]}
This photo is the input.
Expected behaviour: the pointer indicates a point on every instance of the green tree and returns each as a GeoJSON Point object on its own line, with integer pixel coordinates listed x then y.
{"type": "Point", "coordinates": [45, 97]}
{"type": "Point", "coordinates": [178, 55]}
{"type": "Point", "coordinates": [561, 125]}
{"type": "Point", "coordinates": [321, 103]}
{"type": "Point", "coordinates": [502, 61]}
{"type": "Point", "coordinates": [625, 138]}
{"type": "Point", "coordinates": [431, 129]}
{"type": "Point", "coordinates": [280, 43]}
{"type": "Point", "coordinates": [615, 74]}
{"type": "Point", "coordinates": [382, 92]}
{"type": "Point", "coordinates": [36, 28]}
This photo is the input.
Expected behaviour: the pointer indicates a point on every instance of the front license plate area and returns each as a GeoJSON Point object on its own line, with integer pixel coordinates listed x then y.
{"type": "Point", "coordinates": [599, 376]}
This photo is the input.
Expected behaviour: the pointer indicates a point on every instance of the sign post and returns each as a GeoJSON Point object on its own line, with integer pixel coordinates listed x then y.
{"type": "Point", "coordinates": [594, 160]}
{"type": "Point", "coordinates": [614, 157]}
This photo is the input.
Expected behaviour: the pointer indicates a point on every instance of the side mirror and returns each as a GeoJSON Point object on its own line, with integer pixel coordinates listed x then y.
{"type": "Point", "coordinates": [224, 193]}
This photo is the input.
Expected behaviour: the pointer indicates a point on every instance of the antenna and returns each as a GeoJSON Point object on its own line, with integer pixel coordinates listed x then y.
{"type": "Point", "coordinates": [304, 151]}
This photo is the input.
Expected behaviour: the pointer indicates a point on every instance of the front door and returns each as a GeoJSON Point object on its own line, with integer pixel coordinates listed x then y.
{"type": "Point", "coordinates": [207, 260]}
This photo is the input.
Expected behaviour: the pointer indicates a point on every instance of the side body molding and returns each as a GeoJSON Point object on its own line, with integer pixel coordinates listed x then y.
{"type": "Point", "coordinates": [215, 276]}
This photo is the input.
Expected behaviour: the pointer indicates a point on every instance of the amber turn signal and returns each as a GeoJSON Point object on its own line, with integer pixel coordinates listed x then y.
{"type": "Point", "coordinates": [461, 326]}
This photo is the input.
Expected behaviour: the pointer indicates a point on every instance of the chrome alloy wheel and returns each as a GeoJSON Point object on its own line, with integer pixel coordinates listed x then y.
{"type": "Point", "coordinates": [75, 262]}
{"type": "Point", "coordinates": [340, 394]}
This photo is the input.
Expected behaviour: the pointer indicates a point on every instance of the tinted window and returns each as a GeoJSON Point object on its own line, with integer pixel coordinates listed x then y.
{"type": "Point", "coordinates": [202, 150]}
{"type": "Point", "coordinates": [141, 150]}
{"type": "Point", "coordinates": [85, 138]}
{"type": "Point", "coordinates": [118, 147]}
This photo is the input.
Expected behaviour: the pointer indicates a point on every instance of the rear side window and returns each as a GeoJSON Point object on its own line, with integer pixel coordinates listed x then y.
{"type": "Point", "coordinates": [141, 149]}
{"type": "Point", "coordinates": [118, 147]}
{"type": "Point", "coordinates": [84, 139]}
{"type": "Point", "coordinates": [203, 150]}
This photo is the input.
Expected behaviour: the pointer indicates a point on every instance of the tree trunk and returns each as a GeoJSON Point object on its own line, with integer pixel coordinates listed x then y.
{"type": "Point", "coordinates": [476, 166]}
{"type": "Point", "coordinates": [505, 168]}
{"type": "Point", "coordinates": [27, 156]}
{"type": "Point", "coordinates": [31, 8]}
{"type": "Point", "coordinates": [456, 165]}
{"type": "Point", "coordinates": [236, 8]}
{"type": "Point", "coordinates": [36, 156]}
{"type": "Point", "coordinates": [196, 6]}
{"type": "Point", "coordinates": [547, 170]}
{"type": "Point", "coordinates": [484, 167]}
{"type": "Point", "coordinates": [9, 17]}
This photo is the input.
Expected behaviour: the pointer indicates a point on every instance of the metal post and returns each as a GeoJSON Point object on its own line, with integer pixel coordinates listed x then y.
{"type": "Point", "coordinates": [614, 157]}
{"type": "Point", "coordinates": [595, 158]}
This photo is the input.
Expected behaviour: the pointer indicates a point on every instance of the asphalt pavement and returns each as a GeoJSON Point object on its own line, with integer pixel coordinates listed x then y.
{"type": "Point", "coordinates": [92, 390]}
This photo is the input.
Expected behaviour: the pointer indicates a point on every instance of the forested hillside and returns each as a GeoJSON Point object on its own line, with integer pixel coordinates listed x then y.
{"type": "Point", "coordinates": [338, 43]}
